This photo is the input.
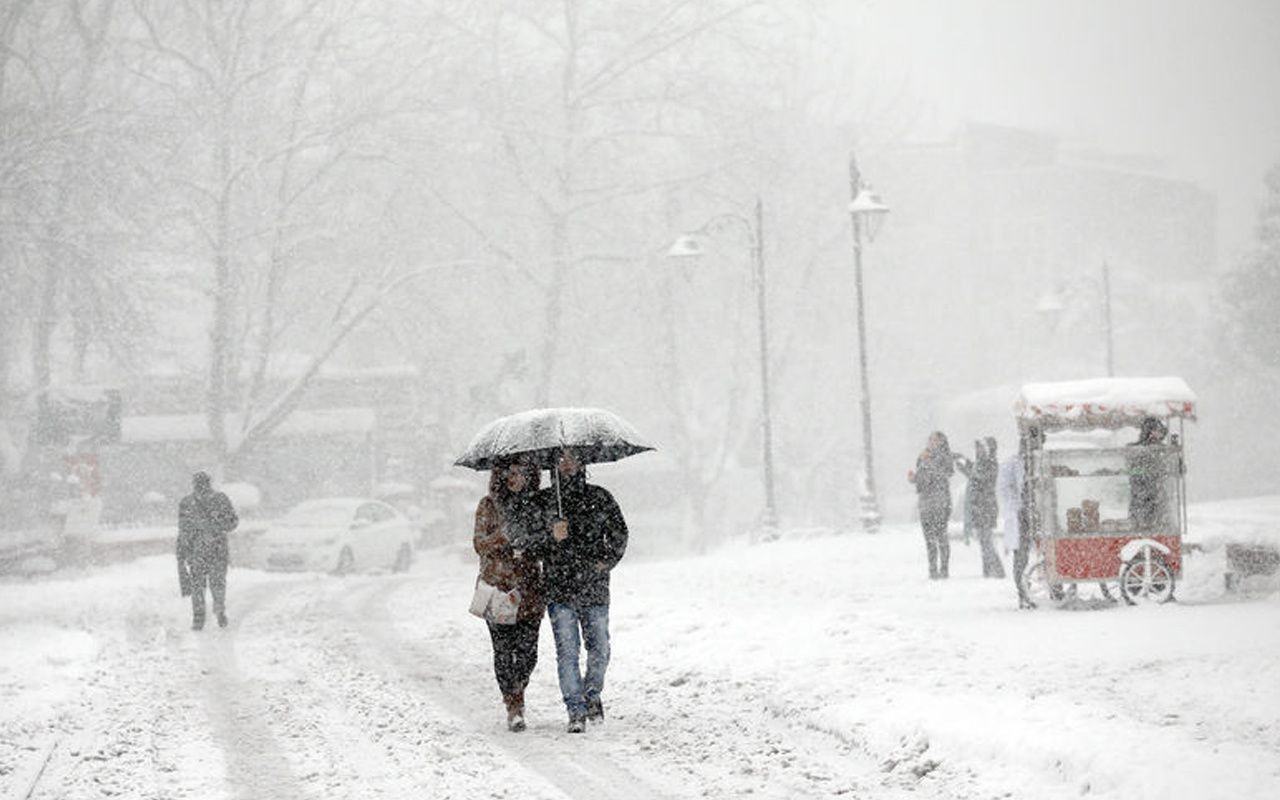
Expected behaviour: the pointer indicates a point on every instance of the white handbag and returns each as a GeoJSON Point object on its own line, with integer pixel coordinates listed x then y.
{"type": "Point", "coordinates": [480, 599]}
{"type": "Point", "coordinates": [503, 607]}
{"type": "Point", "coordinates": [491, 603]}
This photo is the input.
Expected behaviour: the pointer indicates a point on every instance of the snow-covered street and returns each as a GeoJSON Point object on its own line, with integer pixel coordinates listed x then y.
{"type": "Point", "coordinates": [813, 667]}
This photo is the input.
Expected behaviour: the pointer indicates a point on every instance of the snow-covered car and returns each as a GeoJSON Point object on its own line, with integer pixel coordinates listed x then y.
{"type": "Point", "coordinates": [338, 534]}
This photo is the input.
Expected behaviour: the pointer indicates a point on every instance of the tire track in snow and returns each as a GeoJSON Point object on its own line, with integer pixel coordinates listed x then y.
{"type": "Point", "coordinates": [112, 739]}
{"type": "Point", "coordinates": [574, 770]}
{"type": "Point", "coordinates": [241, 722]}
{"type": "Point", "coordinates": [354, 730]}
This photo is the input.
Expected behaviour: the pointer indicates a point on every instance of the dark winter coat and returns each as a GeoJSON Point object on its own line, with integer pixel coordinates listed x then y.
{"type": "Point", "coordinates": [204, 520]}
{"type": "Point", "coordinates": [497, 525]}
{"type": "Point", "coordinates": [1148, 494]}
{"type": "Point", "coordinates": [981, 509]}
{"type": "Point", "coordinates": [934, 469]}
{"type": "Point", "coordinates": [576, 571]}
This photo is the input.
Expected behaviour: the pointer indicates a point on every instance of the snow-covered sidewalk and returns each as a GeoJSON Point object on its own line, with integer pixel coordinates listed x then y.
{"type": "Point", "coordinates": [820, 667]}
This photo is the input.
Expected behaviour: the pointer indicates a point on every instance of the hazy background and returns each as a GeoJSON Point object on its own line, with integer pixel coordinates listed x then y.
{"type": "Point", "coordinates": [1190, 82]}
{"type": "Point", "coordinates": [315, 246]}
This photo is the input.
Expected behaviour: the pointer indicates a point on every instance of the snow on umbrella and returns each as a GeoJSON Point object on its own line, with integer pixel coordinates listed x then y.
{"type": "Point", "coordinates": [594, 434]}
{"type": "Point", "coordinates": [538, 436]}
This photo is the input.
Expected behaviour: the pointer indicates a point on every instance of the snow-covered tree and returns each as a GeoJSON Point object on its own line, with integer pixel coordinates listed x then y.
{"type": "Point", "coordinates": [70, 202]}
{"type": "Point", "coordinates": [1252, 290]}
{"type": "Point", "coordinates": [278, 157]}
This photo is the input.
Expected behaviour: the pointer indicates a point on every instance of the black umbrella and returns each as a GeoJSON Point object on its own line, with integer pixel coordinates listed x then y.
{"type": "Point", "coordinates": [538, 436]}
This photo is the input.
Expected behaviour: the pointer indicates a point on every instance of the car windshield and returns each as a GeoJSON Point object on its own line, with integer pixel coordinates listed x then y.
{"type": "Point", "coordinates": [318, 515]}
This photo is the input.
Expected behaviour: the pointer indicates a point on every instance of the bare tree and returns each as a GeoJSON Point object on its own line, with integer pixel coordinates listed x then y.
{"type": "Point", "coordinates": [284, 113]}
{"type": "Point", "coordinates": [66, 200]}
{"type": "Point", "coordinates": [593, 108]}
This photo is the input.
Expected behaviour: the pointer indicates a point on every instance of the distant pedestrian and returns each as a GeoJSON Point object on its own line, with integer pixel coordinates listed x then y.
{"type": "Point", "coordinates": [205, 517]}
{"type": "Point", "coordinates": [981, 510]}
{"type": "Point", "coordinates": [589, 538]}
{"type": "Point", "coordinates": [932, 477]}
{"type": "Point", "coordinates": [509, 518]}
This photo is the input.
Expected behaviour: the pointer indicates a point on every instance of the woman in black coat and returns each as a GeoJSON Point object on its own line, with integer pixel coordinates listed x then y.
{"type": "Point", "coordinates": [981, 509]}
{"type": "Point", "coordinates": [932, 477]}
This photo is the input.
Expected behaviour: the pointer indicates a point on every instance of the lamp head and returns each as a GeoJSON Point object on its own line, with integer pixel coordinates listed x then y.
{"type": "Point", "coordinates": [687, 246]}
{"type": "Point", "coordinates": [1050, 307]}
{"type": "Point", "coordinates": [1049, 303]}
{"type": "Point", "coordinates": [868, 211]}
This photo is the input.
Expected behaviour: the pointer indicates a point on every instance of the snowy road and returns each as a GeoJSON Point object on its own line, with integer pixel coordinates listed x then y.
{"type": "Point", "coordinates": [815, 668]}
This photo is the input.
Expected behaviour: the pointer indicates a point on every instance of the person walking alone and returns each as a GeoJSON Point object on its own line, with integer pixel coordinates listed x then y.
{"type": "Point", "coordinates": [508, 519]}
{"type": "Point", "coordinates": [589, 538]}
{"type": "Point", "coordinates": [932, 477]}
{"type": "Point", "coordinates": [205, 517]}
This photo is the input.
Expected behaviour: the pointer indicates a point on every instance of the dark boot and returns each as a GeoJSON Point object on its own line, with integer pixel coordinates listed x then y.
{"type": "Point", "coordinates": [595, 710]}
{"type": "Point", "coordinates": [515, 711]}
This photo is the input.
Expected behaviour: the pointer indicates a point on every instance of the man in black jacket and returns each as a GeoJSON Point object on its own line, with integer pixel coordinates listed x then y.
{"type": "Point", "coordinates": [205, 517]}
{"type": "Point", "coordinates": [588, 539]}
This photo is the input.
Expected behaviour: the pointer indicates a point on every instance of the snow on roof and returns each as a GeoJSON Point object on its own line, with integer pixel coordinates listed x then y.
{"type": "Point", "coordinates": [447, 483]}
{"type": "Point", "coordinates": [389, 489]}
{"type": "Point", "coordinates": [348, 503]}
{"type": "Point", "coordinates": [1104, 402]}
{"type": "Point", "coordinates": [194, 427]}
{"type": "Point", "coordinates": [81, 392]}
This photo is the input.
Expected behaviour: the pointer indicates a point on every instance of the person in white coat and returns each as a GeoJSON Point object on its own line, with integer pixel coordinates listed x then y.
{"type": "Point", "coordinates": [1016, 537]}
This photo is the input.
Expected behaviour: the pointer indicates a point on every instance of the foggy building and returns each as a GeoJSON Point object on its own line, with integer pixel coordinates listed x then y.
{"type": "Point", "coordinates": [996, 251]}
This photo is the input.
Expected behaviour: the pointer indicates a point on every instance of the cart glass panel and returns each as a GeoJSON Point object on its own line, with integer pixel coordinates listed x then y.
{"type": "Point", "coordinates": [1114, 492]}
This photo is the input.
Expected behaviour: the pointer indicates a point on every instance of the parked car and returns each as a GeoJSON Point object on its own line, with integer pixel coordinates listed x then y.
{"type": "Point", "coordinates": [339, 534]}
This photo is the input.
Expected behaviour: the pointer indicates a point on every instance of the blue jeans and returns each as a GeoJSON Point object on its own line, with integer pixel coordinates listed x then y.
{"type": "Point", "coordinates": [594, 623]}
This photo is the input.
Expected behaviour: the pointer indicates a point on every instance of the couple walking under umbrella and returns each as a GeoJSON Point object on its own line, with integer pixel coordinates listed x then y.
{"type": "Point", "coordinates": [552, 548]}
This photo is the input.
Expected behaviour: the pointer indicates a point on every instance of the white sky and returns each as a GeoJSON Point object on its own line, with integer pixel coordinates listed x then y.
{"type": "Point", "coordinates": [1196, 82]}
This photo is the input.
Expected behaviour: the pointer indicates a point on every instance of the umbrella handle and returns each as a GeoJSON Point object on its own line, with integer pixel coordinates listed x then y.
{"type": "Point", "coordinates": [555, 476]}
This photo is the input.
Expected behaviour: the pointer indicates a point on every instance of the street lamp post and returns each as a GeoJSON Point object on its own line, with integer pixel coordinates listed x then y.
{"type": "Point", "coordinates": [690, 245]}
{"type": "Point", "coordinates": [866, 212]}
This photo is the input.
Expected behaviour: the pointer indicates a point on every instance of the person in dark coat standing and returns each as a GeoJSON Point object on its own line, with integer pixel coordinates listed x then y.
{"type": "Point", "coordinates": [588, 539]}
{"type": "Point", "coordinates": [981, 509]}
{"type": "Point", "coordinates": [1148, 494]}
{"type": "Point", "coordinates": [205, 517]}
{"type": "Point", "coordinates": [512, 514]}
{"type": "Point", "coordinates": [932, 477]}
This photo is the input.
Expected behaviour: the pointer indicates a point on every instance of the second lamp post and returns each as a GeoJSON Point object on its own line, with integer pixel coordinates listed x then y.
{"type": "Point", "coordinates": [690, 245]}
{"type": "Point", "coordinates": [866, 212]}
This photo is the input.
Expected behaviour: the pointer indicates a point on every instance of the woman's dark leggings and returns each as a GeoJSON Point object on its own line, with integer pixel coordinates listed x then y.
{"type": "Point", "coordinates": [515, 653]}
{"type": "Point", "coordinates": [992, 566]}
{"type": "Point", "coordinates": [934, 514]}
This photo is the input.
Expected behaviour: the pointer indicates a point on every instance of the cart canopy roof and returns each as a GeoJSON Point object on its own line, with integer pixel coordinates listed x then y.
{"type": "Point", "coordinates": [1103, 402]}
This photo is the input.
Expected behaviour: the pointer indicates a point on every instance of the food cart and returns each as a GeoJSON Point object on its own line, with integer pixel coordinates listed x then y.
{"type": "Point", "coordinates": [1104, 493]}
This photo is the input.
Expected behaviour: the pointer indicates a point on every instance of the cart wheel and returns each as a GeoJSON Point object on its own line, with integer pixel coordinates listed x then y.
{"type": "Point", "coordinates": [1106, 592]}
{"type": "Point", "coordinates": [1036, 583]}
{"type": "Point", "coordinates": [1146, 578]}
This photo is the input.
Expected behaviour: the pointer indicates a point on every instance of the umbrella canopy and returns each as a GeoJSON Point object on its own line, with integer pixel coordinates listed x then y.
{"type": "Point", "coordinates": [594, 434]}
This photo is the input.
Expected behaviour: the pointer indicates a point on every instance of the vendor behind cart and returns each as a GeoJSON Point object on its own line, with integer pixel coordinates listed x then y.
{"type": "Point", "coordinates": [1148, 470]}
